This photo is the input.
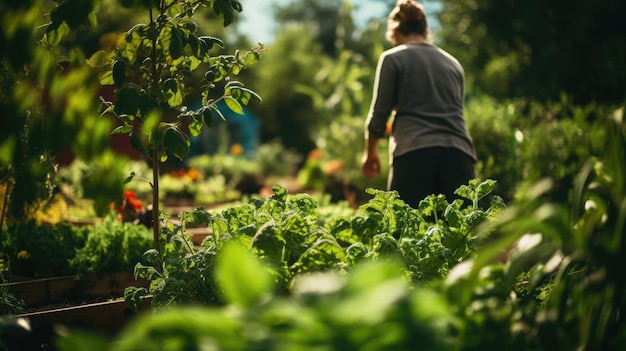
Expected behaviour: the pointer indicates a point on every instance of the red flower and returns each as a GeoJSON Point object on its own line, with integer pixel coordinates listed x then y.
{"type": "Point", "coordinates": [134, 203]}
{"type": "Point", "coordinates": [130, 208]}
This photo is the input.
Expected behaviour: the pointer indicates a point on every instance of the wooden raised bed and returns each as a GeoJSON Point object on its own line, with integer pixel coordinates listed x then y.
{"type": "Point", "coordinates": [95, 304]}
{"type": "Point", "coordinates": [108, 317]}
{"type": "Point", "coordinates": [48, 291]}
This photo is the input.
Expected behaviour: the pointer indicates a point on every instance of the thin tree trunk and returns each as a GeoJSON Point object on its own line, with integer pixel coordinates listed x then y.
{"type": "Point", "coordinates": [156, 224]}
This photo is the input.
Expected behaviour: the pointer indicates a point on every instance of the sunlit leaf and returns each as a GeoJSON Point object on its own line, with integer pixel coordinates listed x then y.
{"type": "Point", "coordinates": [244, 95]}
{"type": "Point", "coordinates": [98, 59]}
{"type": "Point", "coordinates": [56, 33]}
{"type": "Point", "coordinates": [81, 340]}
{"type": "Point", "coordinates": [173, 90]}
{"type": "Point", "coordinates": [234, 105]}
{"type": "Point", "coordinates": [124, 129]}
{"type": "Point", "coordinates": [244, 279]}
{"type": "Point", "coordinates": [195, 127]}
{"type": "Point", "coordinates": [251, 58]}
{"type": "Point", "coordinates": [106, 78]}
{"type": "Point", "coordinates": [165, 38]}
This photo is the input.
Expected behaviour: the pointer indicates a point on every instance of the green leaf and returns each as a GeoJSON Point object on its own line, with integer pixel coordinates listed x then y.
{"type": "Point", "coordinates": [177, 44]}
{"type": "Point", "coordinates": [177, 143]}
{"type": "Point", "coordinates": [147, 272]}
{"type": "Point", "coordinates": [129, 178]}
{"type": "Point", "coordinates": [234, 105]}
{"type": "Point", "coordinates": [209, 76]}
{"type": "Point", "coordinates": [123, 129]}
{"type": "Point", "coordinates": [210, 41]}
{"type": "Point", "coordinates": [244, 279]}
{"type": "Point", "coordinates": [119, 72]}
{"type": "Point", "coordinates": [194, 44]}
{"type": "Point", "coordinates": [195, 127]}
{"type": "Point", "coordinates": [207, 116]}
{"type": "Point", "coordinates": [152, 256]}
{"type": "Point", "coordinates": [138, 145]}
{"type": "Point", "coordinates": [174, 92]}
{"type": "Point", "coordinates": [157, 137]}
{"type": "Point", "coordinates": [56, 32]}
{"type": "Point", "coordinates": [244, 95]}
{"type": "Point", "coordinates": [236, 5]}
{"type": "Point", "coordinates": [98, 60]}
{"type": "Point", "coordinates": [128, 99]}
{"type": "Point", "coordinates": [133, 297]}
{"type": "Point", "coordinates": [149, 105]}
{"type": "Point", "coordinates": [165, 38]}
{"type": "Point", "coordinates": [251, 58]}
{"type": "Point", "coordinates": [81, 340]}
{"type": "Point", "coordinates": [106, 78]}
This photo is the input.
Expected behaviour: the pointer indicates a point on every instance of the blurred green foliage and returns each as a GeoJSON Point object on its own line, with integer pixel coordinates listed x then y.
{"type": "Point", "coordinates": [519, 142]}
{"type": "Point", "coordinates": [549, 278]}
{"type": "Point", "coordinates": [539, 49]}
{"type": "Point", "coordinates": [41, 250]}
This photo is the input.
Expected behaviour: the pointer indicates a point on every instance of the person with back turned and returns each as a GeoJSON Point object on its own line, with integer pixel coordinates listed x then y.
{"type": "Point", "coordinates": [420, 89]}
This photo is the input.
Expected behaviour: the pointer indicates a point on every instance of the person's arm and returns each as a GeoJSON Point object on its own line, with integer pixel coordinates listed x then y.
{"type": "Point", "coordinates": [376, 122]}
{"type": "Point", "coordinates": [370, 162]}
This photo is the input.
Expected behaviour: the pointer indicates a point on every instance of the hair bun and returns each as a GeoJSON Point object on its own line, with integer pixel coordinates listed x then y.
{"type": "Point", "coordinates": [410, 10]}
{"type": "Point", "coordinates": [408, 17]}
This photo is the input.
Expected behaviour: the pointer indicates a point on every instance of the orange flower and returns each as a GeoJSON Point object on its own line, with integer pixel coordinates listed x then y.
{"type": "Point", "coordinates": [315, 154]}
{"type": "Point", "coordinates": [193, 174]}
{"type": "Point", "coordinates": [388, 129]}
{"type": "Point", "coordinates": [333, 166]}
{"type": "Point", "coordinates": [236, 149]}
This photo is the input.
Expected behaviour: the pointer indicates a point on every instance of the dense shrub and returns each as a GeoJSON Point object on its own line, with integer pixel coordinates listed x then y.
{"type": "Point", "coordinates": [111, 246]}
{"type": "Point", "coordinates": [519, 142]}
{"type": "Point", "coordinates": [39, 251]}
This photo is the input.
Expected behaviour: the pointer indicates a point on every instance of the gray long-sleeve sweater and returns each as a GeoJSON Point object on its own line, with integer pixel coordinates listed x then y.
{"type": "Point", "coordinates": [425, 87]}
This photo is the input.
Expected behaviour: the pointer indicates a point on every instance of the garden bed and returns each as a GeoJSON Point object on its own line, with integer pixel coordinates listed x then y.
{"type": "Point", "coordinates": [95, 304]}
{"type": "Point", "coordinates": [39, 293]}
{"type": "Point", "coordinates": [107, 316]}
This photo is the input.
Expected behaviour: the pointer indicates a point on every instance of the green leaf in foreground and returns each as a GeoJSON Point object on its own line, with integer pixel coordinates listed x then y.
{"type": "Point", "coordinates": [244, 279]}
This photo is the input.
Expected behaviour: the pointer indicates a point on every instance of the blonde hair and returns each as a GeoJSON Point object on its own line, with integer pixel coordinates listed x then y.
{"type": "Point", "coordinates": [408, 17]}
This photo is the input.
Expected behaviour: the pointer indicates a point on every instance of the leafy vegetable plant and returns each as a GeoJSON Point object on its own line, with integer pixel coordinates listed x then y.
{"type": "Point", "coordinates": [111, 246]}
{"type": "Point", "coordinates": [284, 232]}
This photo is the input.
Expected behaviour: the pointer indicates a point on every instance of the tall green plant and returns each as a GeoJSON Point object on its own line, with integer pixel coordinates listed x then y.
{"type": "Point", "coordinates": [559, 286]}
{"type": "Point", "coordinates": [151, 70]}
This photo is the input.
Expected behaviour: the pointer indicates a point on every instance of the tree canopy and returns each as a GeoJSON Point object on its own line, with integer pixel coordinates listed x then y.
{"type": "Point", "coordinates": [540, 49]}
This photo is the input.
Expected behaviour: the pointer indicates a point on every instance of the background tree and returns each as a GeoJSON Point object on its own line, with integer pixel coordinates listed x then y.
{"type": "Point", "coordinates": [540, 49]}
{"type": "Point", "coordinates": [294, 58]}
{"type": "Point", "coordinates": [319, 15]}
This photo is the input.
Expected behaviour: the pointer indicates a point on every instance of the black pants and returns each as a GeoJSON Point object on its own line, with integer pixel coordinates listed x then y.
{"type": "Point", "coordinates": [436, 170]}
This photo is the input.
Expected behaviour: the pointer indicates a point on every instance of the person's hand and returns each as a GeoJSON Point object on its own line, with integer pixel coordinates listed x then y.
{"type": "Point", "coordinates": [370, 165]}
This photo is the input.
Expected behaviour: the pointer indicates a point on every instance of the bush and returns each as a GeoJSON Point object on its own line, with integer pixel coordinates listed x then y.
{"type": "Point", "coordinates": [112, 246]}
{"type": "Point", "coordinates": [39, 251]}
{"type": "Point", "coordinates": [519, 142]}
